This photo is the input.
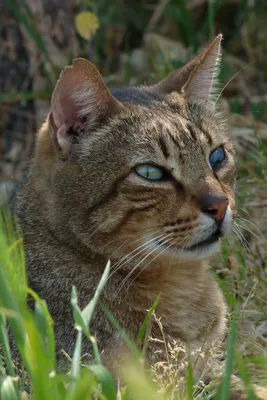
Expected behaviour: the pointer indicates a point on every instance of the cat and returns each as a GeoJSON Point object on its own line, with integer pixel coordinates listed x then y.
{"type": "Point", "coordinates": [145, 177]}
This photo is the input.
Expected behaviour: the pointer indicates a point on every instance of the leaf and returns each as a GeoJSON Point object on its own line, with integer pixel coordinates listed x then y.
{"type": "Point", "coordinates": [86, 24]}
{"type": "Point", "coordinates": [144, 326]}
{"type": "Point", "coordinates": [224, 391]}
{"type": "Point", "coordinates": [139, 383]}
{"type": "Point", "coordinates": [132, 346]}
{"type": "Point", "coordinates": [7, 390]}
{"type": "Point", "coordinates": [190, 382]}
{"type": "Point", "coordinates": [89, 309]}
{"type": "Point", "coordinates": [105, 379]}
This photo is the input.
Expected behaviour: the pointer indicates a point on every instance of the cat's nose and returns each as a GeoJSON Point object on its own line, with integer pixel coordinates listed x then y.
{"type": "Point", "coordinates": [214, 206]}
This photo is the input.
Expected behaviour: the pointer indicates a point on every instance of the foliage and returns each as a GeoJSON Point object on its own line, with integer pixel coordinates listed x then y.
{"type": "Point", "coordinates": [34, 339]}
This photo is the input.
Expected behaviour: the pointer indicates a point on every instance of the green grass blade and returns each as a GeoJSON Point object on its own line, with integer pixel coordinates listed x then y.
{"type": "Point", "coordinates": [245, 377]}
{"type": "Point", "coordinates": [224, 391]}
{"type": "Point", "coordinates": [85, 388]}
{"type": "Point", "coordinates": [5, 345]}
{"type": "Point", "coordinates": [76, 361]}
{"type": "Point", "coordinates": [132, 346]}
{"type": "Point", "coordinates": [21, 96]}
{"type": "Point", "coordinates": [105, 379]}
{"type": "Point", "coordinates": [7, 389]}
{"type": "Point", "coordinates": [80, 323]}
{"type": "Point", "coordinates": [139, 384]}
{"type": "Point", "coordinates": [13, 290]}
{"type": "Point", "coordinates": [8, 302]}
{"type": "Point", "coordinates": [211, 21]}
{"type": "Point", "coordinates": [89, 309]}
{"type": "Point", "coordinates": [77, 313]}
{"type": "Point", "coordinates": [12, 257]}
{"type": "Point", "coordinates": [144, 326]}
{"type": "Point", "coordinates": [45, 323]}
{"type": "Point", "coordinates": [189, 382]}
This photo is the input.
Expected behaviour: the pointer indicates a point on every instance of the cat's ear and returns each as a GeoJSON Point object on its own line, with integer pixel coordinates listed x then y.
{"type": "Point", "coordinates": [196, 79]}
{"type": "Point", "coordinates": [79, 102]}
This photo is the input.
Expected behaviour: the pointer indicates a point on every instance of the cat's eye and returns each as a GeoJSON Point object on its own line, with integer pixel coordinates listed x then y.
{"type": "Point", "coordinates": [217, 157]}
{"type": "Point", "coordinates": [150, 172]}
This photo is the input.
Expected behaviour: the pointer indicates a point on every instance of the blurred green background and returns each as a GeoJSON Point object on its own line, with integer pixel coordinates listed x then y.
{"type": "Point", "coordinates": [131, 42]}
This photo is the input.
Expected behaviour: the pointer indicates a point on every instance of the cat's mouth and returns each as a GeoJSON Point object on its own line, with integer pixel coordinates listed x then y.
{"type": "Point", "coordinates": [212, 239]}
{"type": "Point", "coordinates": [201, 245]}
{"type": "Point", "coordinates": [198, 250]}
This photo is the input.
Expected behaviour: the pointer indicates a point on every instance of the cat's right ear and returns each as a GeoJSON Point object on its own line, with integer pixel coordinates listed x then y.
{"type": "Point", "coordinates": [196, 80]}
{"type": "Point", "coordinates": [79, 102]}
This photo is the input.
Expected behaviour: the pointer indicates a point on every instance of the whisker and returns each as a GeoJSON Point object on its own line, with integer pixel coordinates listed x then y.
{"type": "Point", "coordinates": [175, 252]}
{"type": "Point", "coordinates": [185, 241]}
{"type": "Point", "coordinates": [248, 230]}
{"type": "Point", "coordinates": [248, 214]}
{"type": "Point", "coordinates": [140, 262]}
{"type": "Point", "coordinates": [230, 80]}
{"type": "Point", "coordinates": [157, 255]}
{"type": "Point", "coordinates": [244, 220]}
{"type": "Point", "coordinates": [245, 244]}
{"type": "Point", "coordinates": [133, 254]}
{"type": "Point", "coordinates": [123, 244]}
{"type": "Point", "coordinates": [100, 226]}
{"type": "Point", "coordinates": [134, 250]}
{"type": "Point", "coordinates": [164, 249]}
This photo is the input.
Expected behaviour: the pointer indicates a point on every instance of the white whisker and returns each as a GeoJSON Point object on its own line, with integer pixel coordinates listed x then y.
{"type": "Point", "coordinates": [247, 229]}
{"type": "Point", "coordinates": [140, 262]}
{"type": "Point", "coordinates": [133, 254]}
{"type": "Point", "coordinates": [245, 244]}
{"type": "Point", "coordinates": [230, 80]}
{"type": "Point", "coordinates": [246, 221]}
{"type": "Point", "coordinates": [157, 255]}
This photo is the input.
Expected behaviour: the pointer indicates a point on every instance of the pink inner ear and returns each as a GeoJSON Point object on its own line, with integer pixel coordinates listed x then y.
{"type": "Point", "coordinates": [65, 108]}
{"type": "Point", "coordinates": [80, 98]}
{"type": "Point", "coordinates": [62, 138]}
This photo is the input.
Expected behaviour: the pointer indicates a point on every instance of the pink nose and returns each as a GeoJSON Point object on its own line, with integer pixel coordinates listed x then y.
{"type": "Point", "coordinates": [214, 206]}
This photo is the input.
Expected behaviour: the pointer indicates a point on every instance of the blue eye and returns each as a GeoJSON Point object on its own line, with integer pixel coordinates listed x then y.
{"type": "Point", "coordinates": [217, 157]}
{"type": "Point", "coordinates": [150, 172]}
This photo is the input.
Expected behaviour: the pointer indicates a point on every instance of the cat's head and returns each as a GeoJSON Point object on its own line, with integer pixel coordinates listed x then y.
{"type": "Point", "coordinates": [146, 170]}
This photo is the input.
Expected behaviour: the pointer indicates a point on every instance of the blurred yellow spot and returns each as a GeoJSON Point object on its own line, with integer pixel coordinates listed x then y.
{"type": "Point", "coordinates": [86, 24]}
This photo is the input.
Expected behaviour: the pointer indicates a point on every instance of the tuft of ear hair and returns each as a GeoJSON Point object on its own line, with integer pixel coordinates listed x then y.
{"type": "Point", "coordinates": [79, 102]}
{"type": "Point", "coordinates": [196, 79]}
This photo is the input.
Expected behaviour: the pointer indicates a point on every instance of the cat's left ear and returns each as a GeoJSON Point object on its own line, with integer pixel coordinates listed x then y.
{"type": "Point", "coordinates": [80, 103]}
{"type": "Point", "coordinates": [196, 79]}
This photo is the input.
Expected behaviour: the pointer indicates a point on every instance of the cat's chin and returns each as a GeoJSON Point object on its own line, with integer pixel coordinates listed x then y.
{"type": "Point", "coordinates": [201, 252]}
{"type": "Point", "coordinates": [198, 252]}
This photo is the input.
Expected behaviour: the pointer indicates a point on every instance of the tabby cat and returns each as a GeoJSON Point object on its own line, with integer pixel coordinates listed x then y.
{"type": "Point", "coordinates": [141, 176]}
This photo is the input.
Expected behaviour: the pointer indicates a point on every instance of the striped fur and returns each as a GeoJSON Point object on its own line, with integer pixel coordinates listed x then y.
{"type": "Point", "coordinates": [82, 203]}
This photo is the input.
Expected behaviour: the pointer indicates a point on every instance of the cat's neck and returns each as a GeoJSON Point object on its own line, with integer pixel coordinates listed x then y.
{"type": "Point", "coordinates": [162, 275]}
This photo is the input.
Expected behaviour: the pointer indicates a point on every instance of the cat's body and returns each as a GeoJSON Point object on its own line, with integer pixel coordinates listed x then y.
{"type": "Point", "coordinates": [83, 203]}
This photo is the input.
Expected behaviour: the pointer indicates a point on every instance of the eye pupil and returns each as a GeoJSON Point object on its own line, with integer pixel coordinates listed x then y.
{"type": "Point", "coordinates": [150, 172]}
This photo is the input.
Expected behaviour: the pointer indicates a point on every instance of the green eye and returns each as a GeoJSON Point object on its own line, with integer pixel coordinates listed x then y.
{"type": "Point", "coordinates": [150, 172]}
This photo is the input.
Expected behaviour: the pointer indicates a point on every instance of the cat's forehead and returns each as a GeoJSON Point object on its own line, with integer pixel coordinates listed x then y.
{"type": "Point", "coordinates": [175, 124]}
{"type": "Point", "coordinates": [158, 113]}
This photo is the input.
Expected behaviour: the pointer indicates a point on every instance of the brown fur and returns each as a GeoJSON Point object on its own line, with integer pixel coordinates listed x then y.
{"type": "Point", "coordinates": [81, 204]}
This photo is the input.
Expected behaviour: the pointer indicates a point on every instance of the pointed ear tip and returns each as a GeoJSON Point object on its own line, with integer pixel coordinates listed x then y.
{"type": "Point", "coordinates": [77, 64]}
{"type": "Point", "coordinates": [219, 36]}
{"type": "Point", "coordinates": [215, 45]}
{"type": "Point", "coordinates": [218, 39]}
{"type": "Point", "coordinates": [79, 61]}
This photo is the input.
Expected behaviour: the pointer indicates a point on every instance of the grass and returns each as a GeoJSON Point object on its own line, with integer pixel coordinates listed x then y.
{"type": "Point", "coordinates": [34, 338]}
